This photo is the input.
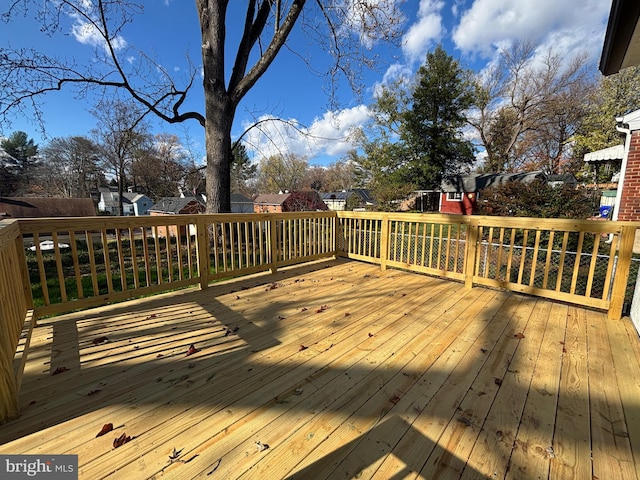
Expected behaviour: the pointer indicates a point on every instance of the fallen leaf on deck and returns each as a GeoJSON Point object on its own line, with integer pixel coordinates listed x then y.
{"type": "Point", "coordinates": [519, 336]}
{"type": "Point", "coordinates": [60, 370]}
{"type": "Point", "coordinates": [121, 440]}
{"type": "Point", "coordinates": [99, 340]}
{"type": "Point", "coordinates": [497, 381]}
{"type": "Point", "coordinates": [395, 399]}
{"type": "Point", "coordinates": [303, 309]}
{"type": "Point", "coordinates": [153, 315]}
{"type": "Point", "coordinates": [106, 428]}
{"type": "Point", "coordinates": [159, 355]}
{"type": "Point", "coordinates": [322, 308]}
{"type": "Point", "coordinates": [302, 347]}
{"type": "Point", "coordinates": [483, 350]}
{"type": "Point", "coordinates": [261, 446]}
{"type": "Point", "coordinates": [175, 454]}
{"type": "Point", "coordinates": [192, 349]}
{"type": "Point", "coordinates": [93, 392]}
{"type": "Point", "coordinates": [347, 314]}
{"type": "Point", "coordinates": [465, 421]}
{"type": "Point", "coordinates": [370, 335]}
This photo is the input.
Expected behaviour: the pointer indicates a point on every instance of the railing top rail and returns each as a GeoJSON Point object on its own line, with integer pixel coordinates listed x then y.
{"type": "Point", "coordinates": [38, 225]}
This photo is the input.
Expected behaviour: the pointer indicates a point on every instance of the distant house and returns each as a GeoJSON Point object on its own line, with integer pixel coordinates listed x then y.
{"type": "Point", "coordinates": [241, 203]}
{"type": "Point", "coordinates": [132, 203]}
{"type": "Point", "coordinates": [176, 206]}
{"type": "Point", "coordinates": [298, 201]}
{"type": "Point", "coordinates": [356, 198]}
{"type": "Point", "coordinates": [460, 194]}
{"type": "Point", "coordinates": [44, 207]}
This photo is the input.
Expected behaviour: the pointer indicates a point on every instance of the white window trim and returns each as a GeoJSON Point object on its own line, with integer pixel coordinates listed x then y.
{"type": "Point", "coordinates": [454, 196]}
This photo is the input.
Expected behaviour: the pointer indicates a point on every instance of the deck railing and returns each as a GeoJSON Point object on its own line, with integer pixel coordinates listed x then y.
{"type": "Point", "coordinates": [95, 261]}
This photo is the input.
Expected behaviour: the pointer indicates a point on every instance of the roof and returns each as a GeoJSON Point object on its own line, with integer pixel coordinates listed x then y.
{"type": "Point", "coordinates": [621, 48]}
{"type": "Point", "coordinates": [240, 198]}
{"type": "Point", "coordinates": [477, 182]}
{"type": "Point", "coordinates": [42, 207]}
{"type": "Point", "coordinates": [173, 204]}
{"type": "Point", "coordinates": [271, 198]}
{"type": "Point", "coordinates": [606, 154]}
{"type": "Point", "coordinates": [363, 193]}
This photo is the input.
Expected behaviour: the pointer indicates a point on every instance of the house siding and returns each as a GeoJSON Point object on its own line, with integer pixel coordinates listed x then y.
{"type": "Point", "coordinates": [466, 206]}
{"type": "Point", "coordinates": [630, 196]}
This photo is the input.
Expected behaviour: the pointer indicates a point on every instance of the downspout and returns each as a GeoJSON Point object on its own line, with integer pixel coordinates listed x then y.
{"type": "Point", "coordinates": [623, 170]}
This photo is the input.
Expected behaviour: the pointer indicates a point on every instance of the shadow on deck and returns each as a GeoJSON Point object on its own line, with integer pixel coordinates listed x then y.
{"type": "Point", "coordinates": [343, 371]}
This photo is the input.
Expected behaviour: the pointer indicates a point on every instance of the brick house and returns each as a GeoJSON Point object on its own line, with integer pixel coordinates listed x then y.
{"type": "Point", "coordinates": [627, 204]}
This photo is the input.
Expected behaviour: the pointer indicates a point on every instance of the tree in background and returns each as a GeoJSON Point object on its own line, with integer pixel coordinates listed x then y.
{"type": "Point", "coordinates": [528, 106]}
{"type": "Point", "coordinates": [159, 166]}
{"type": "Point", "coordinates": [280, 173]}
{"type": "Point", "coordinates": [121, 134]}
{"type": "Point", "coordinates": [71, 167]}
{"type": "Point", "coordinates": [432, 127]}
{"type": "Point", "coordinates": [416, 137]}
{"type": "Point", "coordinates": [346, 30]}
{"type": "Point", "coordinates": [243, 171]}
{"type": "Point", "coordinates": [614, 96]}
{"type": "Point", "coordinates": [20, 164]}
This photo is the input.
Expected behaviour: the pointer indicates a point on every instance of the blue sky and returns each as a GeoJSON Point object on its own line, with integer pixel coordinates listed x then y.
{"type": "Point", "coordinates": [470, 30]}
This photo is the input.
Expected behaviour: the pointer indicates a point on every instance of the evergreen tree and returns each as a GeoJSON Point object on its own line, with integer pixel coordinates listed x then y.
{"type": "Point", "coordinates": [432, 128]}
{"type": "Point", "coordinates": [20, 163]}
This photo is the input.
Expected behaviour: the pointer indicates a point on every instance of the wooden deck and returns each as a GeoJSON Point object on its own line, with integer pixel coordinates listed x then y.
{"type": "Point", "coordinates": [344, 371]}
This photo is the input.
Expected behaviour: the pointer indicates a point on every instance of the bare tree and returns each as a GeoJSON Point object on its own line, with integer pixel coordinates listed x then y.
{"type": "Point", "coordinates": [527, 96]}
{"type": "Point", "coordinates": [120, 134]}
{"type": "Point", "coordinates": [345, 29]}
{"type": "Point", "coordinates": [159, 168]}
{"type": "Point", "coordinates": [70, 167]}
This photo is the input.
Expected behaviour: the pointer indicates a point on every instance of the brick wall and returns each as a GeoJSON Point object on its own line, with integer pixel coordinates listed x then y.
{"type": "Point", "coordinates": [630, 198]}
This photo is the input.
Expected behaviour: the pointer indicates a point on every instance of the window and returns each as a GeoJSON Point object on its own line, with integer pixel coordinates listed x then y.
{"type": "Point", "coordinates": [454, 196]}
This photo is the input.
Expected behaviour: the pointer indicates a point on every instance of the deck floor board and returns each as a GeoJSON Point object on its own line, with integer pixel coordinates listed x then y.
{"type": "Point", "coordinates": [344, 371]}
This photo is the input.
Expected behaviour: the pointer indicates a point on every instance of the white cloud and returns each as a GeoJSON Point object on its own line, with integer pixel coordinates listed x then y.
{"type": "Point", "coordinates": [427, 29]}
{"type": "Point", "coordinates": [330, 134]}
{"type": "Point", "coordinates": [567, 26]}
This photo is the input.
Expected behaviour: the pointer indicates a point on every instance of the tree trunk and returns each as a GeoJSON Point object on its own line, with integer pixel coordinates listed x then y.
{"type": "Point", "coordinates": [218, 143]}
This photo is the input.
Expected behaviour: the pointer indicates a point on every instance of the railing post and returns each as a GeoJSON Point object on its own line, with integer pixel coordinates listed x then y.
{"type": "Point", "coordinates": [273, 244]}
{"type": "Point", "coordinates": [385, 241]}
{"type": "Point", "coordinates": [471, 248]}
{"type": "Point", "coordinates": [625, 252]}
{"type": "Point", "coordinates": [203, 252]}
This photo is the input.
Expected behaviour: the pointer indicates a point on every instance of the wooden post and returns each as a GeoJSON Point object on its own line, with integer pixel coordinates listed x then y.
{"type": "Point", "coordinates": [202, 247]}
{"type": "Point", "coordinates": [625, 252]}
{"type": "Point", "coordinates": [273, 245]}
{"type": "Point", "coordinates": [385, 242]}
{"type": "Point", "coordinates": [471, 248]}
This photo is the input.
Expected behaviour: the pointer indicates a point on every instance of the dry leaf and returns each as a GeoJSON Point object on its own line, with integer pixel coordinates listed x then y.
{"type": "Point", "coordinates": [93, 392]}
{"type": "Point", "coordinates": [192, 350]}
{"type": "Point", "coordinates": [497, 381]}
{"type": "Point", "coordinates": [322, 308]}
{"type": "Point", "coordinates": [106, 428]}
{"type": "Point", "coordinates": [153, 315]}
{"type": "Point", "coordinates": [261, 446]}
{"type": "Point", "coordinates": [519, 336]}
{"type": "Point", "coordinates": [99, 340]}
{"type": "Point", "coordinates": [303, 309]}
{"type": "Point", "coordinates": [370, 335]}
{"type": "Point", "coordinates": [175, 454]}
{"type": "Point", "coordinates": [302, 347]}
{"type": "Point", "coordinates": [60, 370]}
{"type": "Point", "coordinates": [121, 440]}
